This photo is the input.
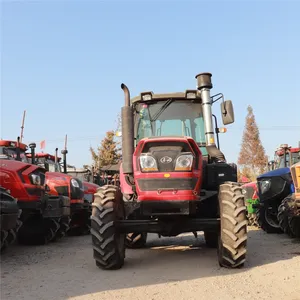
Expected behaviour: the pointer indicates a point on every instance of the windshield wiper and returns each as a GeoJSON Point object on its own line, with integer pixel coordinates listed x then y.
{"type": "Point", "coordinates": [155, 117]}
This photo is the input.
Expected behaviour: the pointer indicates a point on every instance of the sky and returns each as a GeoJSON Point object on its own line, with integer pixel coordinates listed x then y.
{"type": "Point", "coordinates": [63, 62]}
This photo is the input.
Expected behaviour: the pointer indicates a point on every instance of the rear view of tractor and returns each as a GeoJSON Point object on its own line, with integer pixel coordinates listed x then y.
{"type": "Point", "coordinates": [274, 186]}
{"type": "Point", "coordinates": [9, 222]}
{"type": "Point", "coordinates": [174, 179]}
{"type": "Point", "coordinates": [289, 209]}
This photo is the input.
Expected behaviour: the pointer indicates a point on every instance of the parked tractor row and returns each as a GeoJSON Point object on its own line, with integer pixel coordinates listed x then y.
{"type": "Point", "coordinates": [272, 201]}
{"type": "Point", "coordinates": [40, 202]}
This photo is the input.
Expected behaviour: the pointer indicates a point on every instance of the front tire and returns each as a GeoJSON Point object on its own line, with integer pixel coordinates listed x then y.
{"type": "Point", "coordinates": [288, 217]}
{"type": "Point", "coordinates": [108, 243]}
{"type": "Point", "coordinates": [233, 236]}
{"type": "Point", "coordinates": [267, 220]}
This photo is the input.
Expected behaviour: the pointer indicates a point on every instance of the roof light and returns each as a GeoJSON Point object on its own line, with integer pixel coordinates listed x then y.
{"type": "Point", "coordinates": [191, 94]}
{"type": "Point", "coordinates": [146, 96]}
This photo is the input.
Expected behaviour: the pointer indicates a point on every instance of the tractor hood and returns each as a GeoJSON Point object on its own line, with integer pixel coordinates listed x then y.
{"type": "Point", "coordinates": [90, 187]}
{"type": "Point", "coordinates": [275, 173]}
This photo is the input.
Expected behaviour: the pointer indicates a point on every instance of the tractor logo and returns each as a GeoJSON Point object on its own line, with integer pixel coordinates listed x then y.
{"type": "Point", "coordinates": [166, 160]}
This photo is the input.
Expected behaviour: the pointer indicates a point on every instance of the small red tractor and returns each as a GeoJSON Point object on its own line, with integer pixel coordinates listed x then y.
{"type": "Point", "coordinates": [9, 214]}
{"type": "Point", "coordinates": [174, 178]}
{"type": "Point", "coordinates": [81, 193]}
{"type": "Point", "coordinates": [41, 212]}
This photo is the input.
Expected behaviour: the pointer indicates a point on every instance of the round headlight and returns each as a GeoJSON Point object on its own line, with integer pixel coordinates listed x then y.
{"type": "Point", "coordinates": [148, 162]}
{"type": "Point", "coordinates": [75, 183]}
{"type": "Point", "coordinates": [265, 186]}
{"type": "Point", "coordinates": [36, 179]}
{"type": "Point", "coordinates": [184, 162]}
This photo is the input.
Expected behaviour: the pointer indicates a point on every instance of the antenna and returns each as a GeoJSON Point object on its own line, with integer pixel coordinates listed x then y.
{"type": "Point", "coordinates": [22, 127]}
{"type": "Point", "coordinates": [66, 141]}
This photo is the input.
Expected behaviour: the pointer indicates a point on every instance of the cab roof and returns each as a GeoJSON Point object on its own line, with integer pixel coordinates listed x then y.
{"type": "Point", "coordinates": [150, 96]}
{"type": "Point", "coordinates": [44, 155]}
{"type": "Point", "coordinates": [13, 144]}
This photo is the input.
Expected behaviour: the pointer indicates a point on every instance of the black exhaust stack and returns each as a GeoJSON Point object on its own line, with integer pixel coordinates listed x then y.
{"type": "Point", "coordinates": [204, 85]}
{"type": "Point", "coordinates": [32, 147]}
{"type": "Point", "coordinates": [127, 133]}
{"type": "Point", "coordinates": [64, 153]}
{"type": "Point", "coordinates": [55, 156]}
{"type": "Point", "coordinates": [18, 151]}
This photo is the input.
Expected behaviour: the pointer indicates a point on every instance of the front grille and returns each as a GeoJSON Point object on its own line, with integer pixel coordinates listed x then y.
{"type": "Point", "coordinates": [62, 190]}
{"type": "Point", "coordinates": [163, 149]}
{"type": "Point", "coordinates": [162, 183]}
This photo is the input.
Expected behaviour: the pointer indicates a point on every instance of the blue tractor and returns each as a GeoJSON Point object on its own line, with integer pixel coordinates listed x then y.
{"type": "Point", "coordinates": [274, 186]}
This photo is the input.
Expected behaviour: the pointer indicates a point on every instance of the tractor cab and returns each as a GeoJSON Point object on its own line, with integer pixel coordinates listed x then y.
{"type": "Point", "coordinates": [286, 156]}
{"type": "Point", "coordinates": [13, 150]}
{"type": "Point", "coordinates": [48, 161]}
{"type": "Point", "coordinates": [85, 175]}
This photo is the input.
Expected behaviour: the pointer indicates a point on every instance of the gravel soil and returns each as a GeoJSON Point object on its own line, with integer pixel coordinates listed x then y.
{"type": "Point", "coordinates": [169, 268]}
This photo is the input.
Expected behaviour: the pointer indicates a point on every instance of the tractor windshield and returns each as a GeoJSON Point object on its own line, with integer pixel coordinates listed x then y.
{"type": "Point", "coordinates": [171, 118]}
{"type": "Point", "coordinates": [291, 159]}
{"type": "Point", "coordinates": [48, 164]}
{"type": "Point", "coordinates": [11, 153]}
{"type": "Point", "coordinates": [83, 176]}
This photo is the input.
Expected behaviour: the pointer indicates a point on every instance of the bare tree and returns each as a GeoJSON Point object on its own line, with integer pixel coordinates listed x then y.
{"type": "Point", "coordinates": [252, 158]}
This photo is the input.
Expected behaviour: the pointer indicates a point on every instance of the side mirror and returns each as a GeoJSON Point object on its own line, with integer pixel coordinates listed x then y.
{"type": "Point", "coordinates": [227, 112]}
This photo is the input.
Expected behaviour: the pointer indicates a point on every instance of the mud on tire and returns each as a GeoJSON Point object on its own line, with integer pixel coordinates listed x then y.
{"type": "Point", "coordinates": [233, 232]}
{"type": "Point", "coordinates": [289, 217]}
{"type": "Point", "coordinates": [108, 243]}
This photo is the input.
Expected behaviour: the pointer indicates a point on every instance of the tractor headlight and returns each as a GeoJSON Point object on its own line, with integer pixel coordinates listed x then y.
{"type": "Point", "coordinates": [264, 186]}
{"type": "Point", "coordinates": [148, 163]}
{"type": "Point", "coordinates": [75, 183]}
{"type": "Point", "coordinates": [35, 179]}
{"type": "Point", "coordinates": [184, 162]}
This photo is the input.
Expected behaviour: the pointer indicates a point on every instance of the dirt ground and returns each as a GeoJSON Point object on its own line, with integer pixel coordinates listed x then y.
{"type": "Point", "coordinates": [170, 268]}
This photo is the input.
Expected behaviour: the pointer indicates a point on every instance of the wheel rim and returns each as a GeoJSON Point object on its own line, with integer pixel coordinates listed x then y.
{"type": "Point", "coordinates": [271, 218]}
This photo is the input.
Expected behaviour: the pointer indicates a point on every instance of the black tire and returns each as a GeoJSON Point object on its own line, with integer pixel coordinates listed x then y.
{"type": "Point", "coordinates": [64, 226]}
{"type": "Point", "coordinates": [288, 217]}
{"type": "Point", "coordinates": [136, 240]}
{"type": "Point", "coordinates": [37, 231]}
{"type": "Point", "coordinates": [232, 246]}
{"type": "Point", "coordinates": [108, 243]}
{"type": "Point", "coordinates": [211, 239]}
{"type": "Point", "coordinates": [267, 222]}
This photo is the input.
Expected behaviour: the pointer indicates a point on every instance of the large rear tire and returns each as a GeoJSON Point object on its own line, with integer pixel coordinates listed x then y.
{"type": "Point", "coordinates": [289, 217]}
{"type": "Point", "coordinates": [267, 220]}
{"type": "Point", "coordinates": [136, 240]}
{"type": "Point", "coordinates": [108, 243]}
{"type": "Point", "coordinates": [232, 246]}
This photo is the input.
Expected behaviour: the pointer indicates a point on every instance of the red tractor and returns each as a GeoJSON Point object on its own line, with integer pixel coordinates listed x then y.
{"type": "Point", "coordinates": [174, 179]}
{"type": "Point", "coordinates": [41, 212]}
{"type": "Point", "coordinates": [81, 193]}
